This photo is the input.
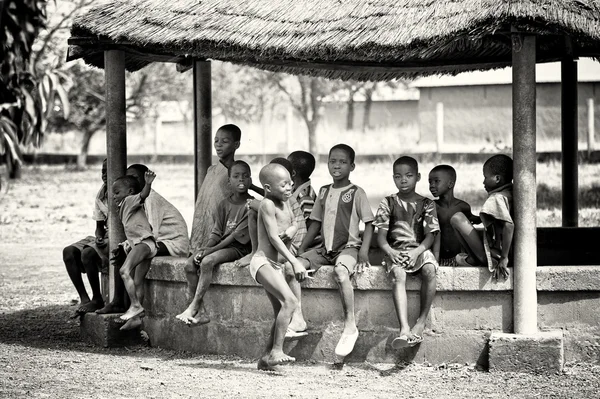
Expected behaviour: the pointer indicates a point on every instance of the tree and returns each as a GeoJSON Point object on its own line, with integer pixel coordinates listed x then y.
{"type": "Point", "coordinates": [21, 109]}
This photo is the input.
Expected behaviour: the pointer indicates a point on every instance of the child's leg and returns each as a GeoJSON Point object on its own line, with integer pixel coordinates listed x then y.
{"type": "Point", "coordinates": [191, 274]}
{"type": "Point", "coordinates": [275, 285]}
{"type": "Point", "coordinates": [138, 253]}
{"type": "Point", "coordinates": [92, 262]}
{"type": "Point", "coordinates": [193, 314]}
{"type": "Point", "coordinates": [253, 233]}
{"type": "Point", "coordinates": [139, 278]}
{"type": "Point", "coordinates": [263, 362]}
{"type": "Point", "coordinates": [469, 239]}
{"type": "Point", "coordinates": [428, 289]}
{"type": "Point", "coordinates": [400, 299]}
{"type": "Point", "coordinates": [72, 259]}
{"type": "Point", "coordinates": [343, 268]}
{"type": "Point", "coordinates": [297, 323]}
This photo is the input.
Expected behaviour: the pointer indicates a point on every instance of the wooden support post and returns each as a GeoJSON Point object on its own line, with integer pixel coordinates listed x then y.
{"type": "Point", "coordinates": [202, 122]}
{"type": "Point", "coordinates": [439, 113]}
{"type": "Point", "coordinates": [116, 147]}
{"type": "Point", "coordinates": [569, 139]}
{"type": "Point", "coordinates": [525, 242]}
{"type": "Point", "coordinates": [591, 127]}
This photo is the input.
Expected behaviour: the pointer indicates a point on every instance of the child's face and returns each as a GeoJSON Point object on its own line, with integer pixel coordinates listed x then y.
{"type": "Point", "coordinates": [406, 178]}
{"type": "Point", "coordinates": [224, 144]}
{"type": "Point", "coordinates": [280, 184]}
{"type": "Point", "coordinates": [104, 172]}
{"type": "Point", "coordinates": [439, 183]}
{"type": "Point", "coordinates": [490, 180]}
{"type": "Point", "coordinates": [120, 192]}
{"type": "Point", "coordinates": [339, 165]}
{"type": "Point", "coordinates": [240, 179]}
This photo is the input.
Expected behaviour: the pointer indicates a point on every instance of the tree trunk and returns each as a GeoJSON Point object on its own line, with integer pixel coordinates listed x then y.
{"type": "Point", "coordinates": [350, 113]}
{"type": "Point", "coordinates": [83, 152]}
{"type": "Point", "coordinates": [367, 115]}
{"type": "Point", "coordinates": [312, 136]}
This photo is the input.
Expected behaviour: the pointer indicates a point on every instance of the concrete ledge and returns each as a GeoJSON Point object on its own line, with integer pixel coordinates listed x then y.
{"type": "Point", "coordinates": [538, 353]}
{"type": "Point", "coordinates": [549, 278]}
{"type": "Point", "coordinates": [103, 330]}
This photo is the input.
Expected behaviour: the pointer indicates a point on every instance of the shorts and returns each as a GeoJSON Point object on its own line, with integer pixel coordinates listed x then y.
{"type": "Point", "coordinates": [347, 257]}
{"type": "Point", "coordinates": [422, 260]}
{"type": "Point", "coordinates": [259, 261]}
{"type": "Point", "coordinates": [102, 252]}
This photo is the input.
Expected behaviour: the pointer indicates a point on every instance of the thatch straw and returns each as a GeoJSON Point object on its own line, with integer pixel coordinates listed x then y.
{"type": "Point", "coordinates": [365, 37]}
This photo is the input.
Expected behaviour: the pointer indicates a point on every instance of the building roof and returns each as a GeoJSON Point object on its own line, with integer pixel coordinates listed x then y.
{"type": "Point", "coordinates": [348, 39]}
{"type": "Point", "coordinates": [588, 70]}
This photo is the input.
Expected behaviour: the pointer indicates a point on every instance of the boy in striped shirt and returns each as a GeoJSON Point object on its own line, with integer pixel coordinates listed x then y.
{"type": "Point", "coordinates": [337, 213]}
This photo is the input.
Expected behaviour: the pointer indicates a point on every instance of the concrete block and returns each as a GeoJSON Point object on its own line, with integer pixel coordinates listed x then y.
{"type": "Point", "coordinates": [103, 330]}
{"type": "Point", "coordinates": [542, 352]}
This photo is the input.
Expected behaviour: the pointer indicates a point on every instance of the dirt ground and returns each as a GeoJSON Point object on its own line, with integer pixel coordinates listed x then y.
{"type": "Point", "coordinates": [41, 354]}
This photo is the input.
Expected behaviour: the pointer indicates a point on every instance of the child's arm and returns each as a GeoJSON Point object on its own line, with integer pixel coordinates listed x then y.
{"type": "Point", "coordinates": [395, 256]}
{"type": "Point", "coordinates": [466, 210]}
{"type": "Point", "coordinates": [148, 178]}
{"type": "Point", "coordinates": [270, 222]}
{"type": "Point", "coordinates": [290, 232]}
{"type": "Point", "coordinates": [363, 253]}
{"type": "Point", "coordinates": [437, 243]}
{"type": "Point", "coordinates": [311, 234]}
{"type": "Point", "coordinates": [99, 233]}
{"type": "Point", "coordinates": [507, 236]}
{"type": "Point", "coordinates": [414, 253]}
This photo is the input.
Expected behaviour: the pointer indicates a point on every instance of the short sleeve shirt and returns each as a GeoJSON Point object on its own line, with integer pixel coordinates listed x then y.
{"type": "Point", "coordinates": [134, 219]}
{"type": "Point", "coordinates": [407, 222]}
{"type": "Point", "coordinates": [340, 211]}
{"type": "Point", "coordinates": [231, 218]}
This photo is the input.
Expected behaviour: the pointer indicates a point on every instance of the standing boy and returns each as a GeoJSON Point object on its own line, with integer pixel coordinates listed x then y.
{"type": "Point", "coordinates": [496, 216]}
{"type": "Point", "coordinates": [274, 219]}
{"type": "Point", "coordinates": [442, 179]}
{"type": "Point", "coordinates": [228, 241]}
{"type": "Point", "coordinates": [406, 224]}
{"type": "Point", "coordinates": [337, 212]}
{"type": "Point", "coordinates": [141, 244]}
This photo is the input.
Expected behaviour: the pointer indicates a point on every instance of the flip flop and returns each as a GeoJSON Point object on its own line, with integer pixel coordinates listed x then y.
{"type": "Point", "coordinates": [400, 342]}
{"type": "Point", "coordinates": [346, 344]}
{"type": "Point", "coordinates": [416, 340]}
{"type": "Point", "coordinates": [295, 334]}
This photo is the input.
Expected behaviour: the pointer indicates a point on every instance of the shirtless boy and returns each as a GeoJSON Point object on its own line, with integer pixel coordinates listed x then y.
{"type": "Point", "coordinates": [274, 218]}
{"type": "Point", "coordinates": [442, 179]}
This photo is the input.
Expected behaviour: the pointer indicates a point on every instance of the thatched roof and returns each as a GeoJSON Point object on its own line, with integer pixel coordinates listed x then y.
{"type": "Point", "coordinates": [358, 39]}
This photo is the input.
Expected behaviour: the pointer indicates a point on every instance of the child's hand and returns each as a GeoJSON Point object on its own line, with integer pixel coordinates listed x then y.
{"type": "Point", "coordinates": [502, 269]}
{"type": "Point", "coordinates": [288, 234]}
{"type": "Point", "coordinates": [100, 243]}
{"type": "Point", "coordinates": [411, 258]}
{"type": "Point", "coordinates": [397, 257]}
{"type": "Point", "coordinates": [300, 271]}
{"type": "Point", "coordinates": [363, 261]}
{"type": "Point", "coordinates": [149, 176]}
{"type": "Point", "coordinates": [198, 257]}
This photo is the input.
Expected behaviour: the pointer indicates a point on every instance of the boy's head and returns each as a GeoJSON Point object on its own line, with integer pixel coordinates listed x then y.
{"type": "Point", "coordinates": [285, 163]}
{"type": "Point", "coordinates": [239, 176]}
{"type": "Point", "coordinates": [276, 181]}
{"type": "Point", "coordinates": [227, 140]}
{"type": "Point", "coordinates": [341, 161]}
{"type": "Point", "coordinates": [441, 180]}
{"type": "Point", "coordinates": [124, 186]}
{"type": "Point", "coordinates": [497, 171]}
{"type": "Point", "coordinates": [105, 170]}
{"type": "Point", "coordinates": [406, 174]}
{"type": "Point", "coordinates": [303, 163]}
{"type": "Point", "coordinates": [138, 171]}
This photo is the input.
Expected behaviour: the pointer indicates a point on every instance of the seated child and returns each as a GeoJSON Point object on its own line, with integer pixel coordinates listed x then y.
{"type": "Point", "coordinates": [140, 246]}
{"type": "Point", "coordinates": [406, 224]}
{"type": "Point", "coordinates": [90, 255]}
{"type": "Point", "coordinates": [441, 185]}
{"type": "Point", "coordinates": [496, 216]}
{"type": "Point", "coordinates": [337, 212]}
{"type": "Point", "coordinates": [275, 218]}
{"type": "Point", "coordinates": [228, 241]}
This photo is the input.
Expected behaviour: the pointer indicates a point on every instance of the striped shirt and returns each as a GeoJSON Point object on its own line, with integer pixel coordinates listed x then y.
{"type": "Point", "coordinates": [340, 211]}
{"type": "Point", "coordinates": [305, 195]}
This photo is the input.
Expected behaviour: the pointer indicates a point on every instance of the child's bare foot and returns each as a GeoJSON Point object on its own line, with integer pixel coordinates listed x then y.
{"type": "Point", "coordinates": [111, 308]}
{"type": "Point", "coordinates": [91, 306]}
{"type": "Point", "coordinates": [245, 261]}
{"type": "Point", "coordinates": [186, 316]}
{"type": "Point", "coordinates": [132, 323]}
{"type": "Point", "coordinates": [278, 357]}
{"type": "Point", "coordinates": [264, 365]}
{"type": "Point", "coordinates": [132, 312]}
{"type": "Point", "coordinates": [417, 333]}
{"type": "Point", "coordinates": [198, 320]}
